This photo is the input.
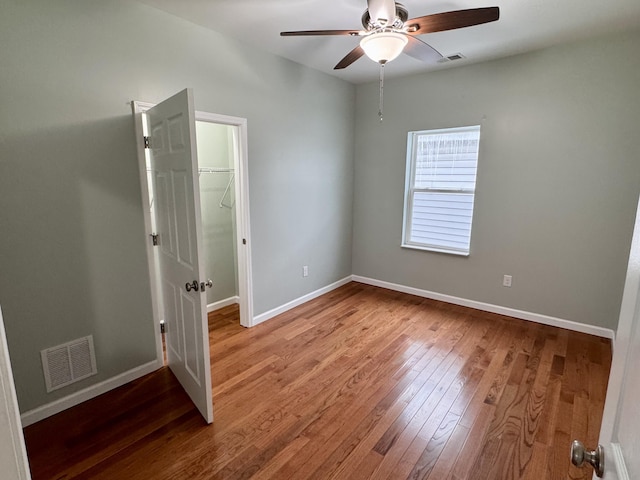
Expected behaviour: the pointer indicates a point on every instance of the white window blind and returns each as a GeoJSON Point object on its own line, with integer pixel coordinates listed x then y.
{"type": "Point", "coordinates": [440, 189]}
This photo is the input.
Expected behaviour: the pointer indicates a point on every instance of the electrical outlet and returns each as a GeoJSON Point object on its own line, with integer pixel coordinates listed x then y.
{"type": "Point", "coordinates": [305, 271]}
{"type": "Point", "coordinates": [506, 281]}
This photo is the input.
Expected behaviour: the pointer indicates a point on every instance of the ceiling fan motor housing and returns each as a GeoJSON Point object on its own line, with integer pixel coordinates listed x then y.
{"type": "Point", "coordinates": [401, 16]}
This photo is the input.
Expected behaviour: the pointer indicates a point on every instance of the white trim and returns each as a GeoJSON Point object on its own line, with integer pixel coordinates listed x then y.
{"type": "Point", "coordinates": [410, 190]}
{"type": "Point", "coordinates": [138, 109]}
{"type": "Point", "coordinates": [487, 307]}
{"type": "Point", "coordinates": [618, 461]}
{"type": "Point", "coordinates": [13, 453]}
{"type": "Point", "coordinates": [76, 398]}
{"type": "Point", "coordinates": [243, 234]}
{"type": "Point", "coordinates": [263, 317]}
{"type": "Point", "coordinates": [222, 303]}
{"type": "Point", "coordinates": [434, 249]}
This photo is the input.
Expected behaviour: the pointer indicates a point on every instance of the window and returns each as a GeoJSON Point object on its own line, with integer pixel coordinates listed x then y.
{"type": "Point", "coordinates": [440, 188]}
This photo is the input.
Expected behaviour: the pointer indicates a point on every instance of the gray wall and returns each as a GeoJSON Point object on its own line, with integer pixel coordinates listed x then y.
{"type": "Point", "coordinates": [215, 150]}
{"type": "Point", "coordinates": [558, 181]}
{"type": "Point", "coordinates": [557, 187]}
{"type": "Point", "coordinates": [72, 244]}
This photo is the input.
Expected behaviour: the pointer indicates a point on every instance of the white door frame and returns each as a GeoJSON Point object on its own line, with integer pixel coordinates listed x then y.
{"type": "Point", "coordinates": [241, 167]}
{"type": "Point", "coordinates": [13, 453]}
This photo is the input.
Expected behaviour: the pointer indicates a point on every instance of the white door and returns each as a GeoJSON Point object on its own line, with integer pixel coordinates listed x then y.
{"type": "Point", "coordinates": [174, 168]}
{"type": "Point", "coordinates": [13, 453]}
{"type": "Point", "coordinates": [620, 433]}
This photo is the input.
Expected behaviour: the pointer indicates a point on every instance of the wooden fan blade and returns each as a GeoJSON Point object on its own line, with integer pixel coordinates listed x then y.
{"type": "Point", "coordinates": [420, 50]}
{"type": "Point", "coordinates": [303, 33]}
{"type": "Point", "coordinates": [382, 11]}
{"type": "Point", "coordinates": [351, 57]}
{"type": "Point", "coordinates": [441, 22]}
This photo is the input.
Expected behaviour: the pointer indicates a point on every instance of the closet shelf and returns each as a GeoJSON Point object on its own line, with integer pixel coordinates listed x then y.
{"type": "Point", "coordinates": [215, 170]}
{"type": "Point", "coordinates": [210, 170]}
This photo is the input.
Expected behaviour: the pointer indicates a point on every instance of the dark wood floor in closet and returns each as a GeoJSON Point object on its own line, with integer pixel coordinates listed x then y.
{"type": "Point", "coordinates": [359, 383]}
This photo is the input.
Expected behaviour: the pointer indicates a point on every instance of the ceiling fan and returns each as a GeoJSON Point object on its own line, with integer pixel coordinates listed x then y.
{"type": "Point", "coordinates": [388, 31]}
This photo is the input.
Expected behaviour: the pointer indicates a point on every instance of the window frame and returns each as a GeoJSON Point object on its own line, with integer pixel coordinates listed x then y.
{"type": "Point", "coordinates": [410, 190]}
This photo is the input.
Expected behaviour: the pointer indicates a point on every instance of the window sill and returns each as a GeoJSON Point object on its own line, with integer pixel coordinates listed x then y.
{"type": "Point", "coordinates": [434, 249]}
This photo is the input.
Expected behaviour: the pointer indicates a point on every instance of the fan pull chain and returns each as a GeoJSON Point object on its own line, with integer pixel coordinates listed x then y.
{"type": "Point", "coordinates": [381, 104]}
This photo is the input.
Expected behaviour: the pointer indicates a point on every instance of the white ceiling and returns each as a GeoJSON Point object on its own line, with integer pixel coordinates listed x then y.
{"type": "Point", "coordinates": [524, 25]}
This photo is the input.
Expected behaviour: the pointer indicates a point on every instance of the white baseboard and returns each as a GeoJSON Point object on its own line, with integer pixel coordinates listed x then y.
{"type": "Point", "coordinates": [263, 317]}
{"type": "Point", "coordinates": [222, 303]}
{"type": "Point", "coordinates": [487, 307]}
{"type": "Point", "coordinates": [57, 406]}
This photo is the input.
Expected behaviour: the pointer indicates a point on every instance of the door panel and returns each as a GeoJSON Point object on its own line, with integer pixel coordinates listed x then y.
{"type": "Point", "coordinates": [174, 165]}
{"type": "Point", "coordinates": [626, 441]}
{"type": "Point", "coordinates": [186, 240]}
{"type": "Point", "coordinates": [620, 432]}
{"type": "Point", "coordinates": [191, 334]}
{"type": "Point", "coordinates": [167, 241]}
{"type": "Point", "coordinates": [170, 295]}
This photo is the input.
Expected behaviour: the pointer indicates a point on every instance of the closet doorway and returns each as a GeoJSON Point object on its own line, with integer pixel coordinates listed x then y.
{"type": "Point", "coordinates": [216, 172]}
{"type": "Point", "coordinates": [223, 186]}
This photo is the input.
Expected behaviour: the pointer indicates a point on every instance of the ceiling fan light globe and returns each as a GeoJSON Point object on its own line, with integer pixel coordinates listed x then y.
{"type": "Point", "coordinates": [384, 46]}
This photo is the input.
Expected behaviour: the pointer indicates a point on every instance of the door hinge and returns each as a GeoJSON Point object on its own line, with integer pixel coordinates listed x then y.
{"type": "Point", "coordinates": [147, 142]}
{"type": "Point", "coordinates": [162, 329]}
{"type": "Point", "coordinates": [154, 239]}
{"type": "Point", "coordinates": [244, 241]}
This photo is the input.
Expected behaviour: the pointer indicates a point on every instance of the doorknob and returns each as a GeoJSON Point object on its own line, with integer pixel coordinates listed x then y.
{"type": "Point", "coordinates": [192, 286]}
{"type": "Point", "coordinates": [579, 455]}
{"type": "Point", "coordinates": [208, 283]}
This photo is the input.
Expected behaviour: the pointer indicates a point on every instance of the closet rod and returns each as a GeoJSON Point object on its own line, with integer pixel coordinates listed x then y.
{"type": "Point", "coordinates": [209, 170]}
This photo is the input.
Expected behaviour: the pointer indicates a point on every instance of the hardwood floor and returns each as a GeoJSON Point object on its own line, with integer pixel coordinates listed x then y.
{"type": "Point", "coordinates": [360, 383]}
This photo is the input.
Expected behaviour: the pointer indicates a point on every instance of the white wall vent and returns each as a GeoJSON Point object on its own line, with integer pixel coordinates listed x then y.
{"type": "Point", "coordinates": [68, 363]}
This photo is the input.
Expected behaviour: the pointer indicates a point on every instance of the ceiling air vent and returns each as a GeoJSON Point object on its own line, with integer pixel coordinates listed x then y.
{"type": "Point", "coordinates": [451, 58]}
{"type": "Point", "coordinates": [68, 363]}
